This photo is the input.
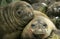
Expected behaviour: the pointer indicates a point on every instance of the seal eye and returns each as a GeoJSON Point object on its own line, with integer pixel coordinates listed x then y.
{"type": "Point", "coordinates": [32, 25]}
{"type": "Point", "coordinates": [45, 25]}
{"type": "Point", "coordinates": [19, 12]}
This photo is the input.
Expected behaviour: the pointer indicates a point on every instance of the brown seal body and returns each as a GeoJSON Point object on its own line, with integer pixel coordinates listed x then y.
{"type": "Point", "coordinates": [13, 19]}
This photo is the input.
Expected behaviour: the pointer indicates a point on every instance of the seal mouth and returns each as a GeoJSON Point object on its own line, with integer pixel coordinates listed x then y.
{"type": "Point", "coordinates": [39, 31]}
{"type": "Point", "coordinates": [39, 36]}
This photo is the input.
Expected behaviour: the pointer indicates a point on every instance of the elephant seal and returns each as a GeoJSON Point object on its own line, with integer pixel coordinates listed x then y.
{"type": "Point", "coordinates": [39, 28]}
{"type": "Point", "coordinates": [13, 18]}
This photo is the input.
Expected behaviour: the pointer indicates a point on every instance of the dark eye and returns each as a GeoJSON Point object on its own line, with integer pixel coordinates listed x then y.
{"type": "Point", "coordinates": [18, 12]}
{"type": "Point", "coordinates": [32, 25]}
{"type": "Point", "coordinates": [45, 25]}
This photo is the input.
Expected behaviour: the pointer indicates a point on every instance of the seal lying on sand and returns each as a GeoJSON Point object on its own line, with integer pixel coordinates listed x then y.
{"type": "Point", "coordinates": [39, 28]}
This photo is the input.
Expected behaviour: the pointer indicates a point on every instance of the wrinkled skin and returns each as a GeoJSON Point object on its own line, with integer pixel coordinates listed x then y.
{"type": "Point", "coordinates": [39, 28]}
{"type": "Point", "coordinates": [26, 32]}
{"type": "Point", "coordinates": [13, 19]}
